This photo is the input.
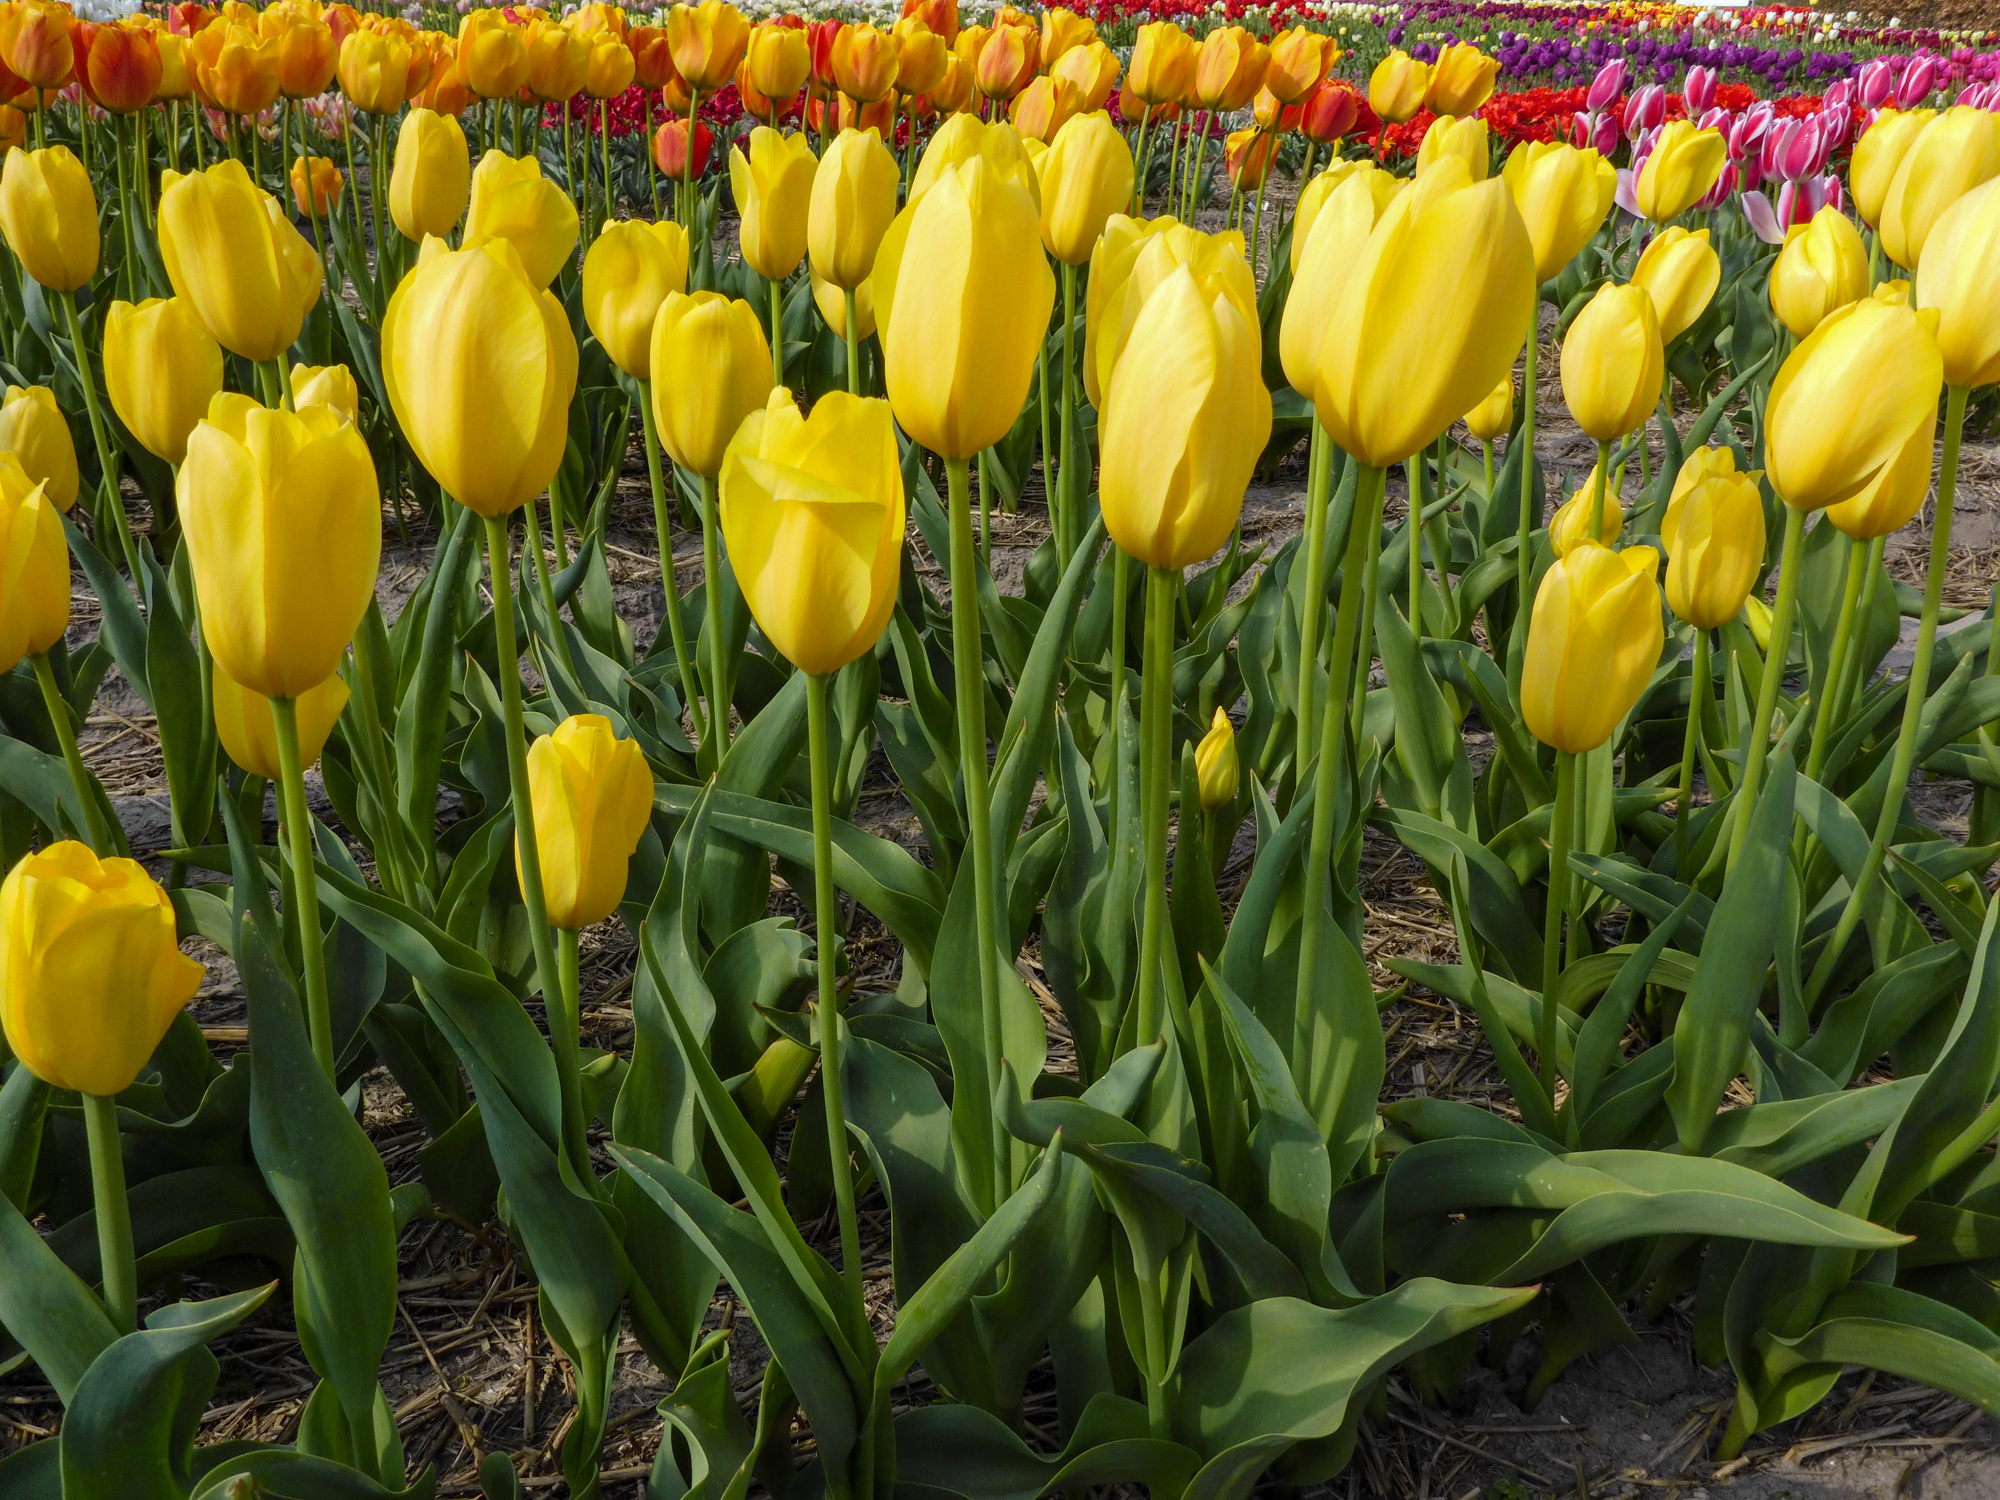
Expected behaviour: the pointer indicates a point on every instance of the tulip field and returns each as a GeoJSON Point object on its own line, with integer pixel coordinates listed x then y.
{"type": "Point", "coordinates": [925, 752]}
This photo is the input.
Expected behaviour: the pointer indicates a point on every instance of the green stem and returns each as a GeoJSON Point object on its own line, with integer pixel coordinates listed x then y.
{"type": "Point", "coordinates": [1701, 686]}
{"type": "Point", "coordinates": [1757, 748]}
{"type": "Point", "coordinates": [1067, 536]}
{"type": "Point", "coordinates": [564, 1009]}
{"type": "Point", "coordinates": [1916, 689]}
{"type": "Point", "coordinates": [52, 699]}
{"type": "Point", "coordinates": [1562, 819]}
{"type": "Point", "coordinates": [390, 856]}
{"type": "Point", "coordinates": [1597, 484]}
{"type": "Point", "coordinates": [1487, 448]}
{"type": "Point", "coordinates": [303, 899]}
{"type": "Point", "coordinates": [1824, 726]}
{"type": "Point", "coordinates": [1139, 157]}
{"type": "Point", "coordinates": [1531, 510]}
{"type": "Point", "coordinates": [1042, 416]}
{"type": "Point", "coordinates": [1850, 675]}
{"type": "Point", "coordinates": [1312, 603]}
{"type": "Point", "coordinates": [711, 573]}
{"type": "Point", "coordinates": [378, 155]}
{"type": "Point", "coordinates": [670, 583]}
{"type": "Point", "coordinates": [604, 129]}
{"type": "Point", "coordinates": [1364, 654]}
{"type": "Point", "coordinates": [1413, 531]}
{"type": "Point", "coordinates": [852, 337]}
{"type": "Point", "coordinates": [544, 585]}
{"type": "Point", "coordinates": [1153, 1333]}
{"type": "Point", "coordinates": [114, 1214]}
{"type": "Point", "coordinates": [1155, 772]}
{"type": "Point", "coordinates": [111, 503]}
{"type": "Point", "coordinates": [1121, 596]}
{"type": "Point", "coordinates": [986, 508]}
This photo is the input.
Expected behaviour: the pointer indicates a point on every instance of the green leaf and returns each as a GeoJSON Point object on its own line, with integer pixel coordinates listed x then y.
{"type": "Point", "coordinates": [948, 1450]}
{"type": "Point", "coordinates": [47, 1308]}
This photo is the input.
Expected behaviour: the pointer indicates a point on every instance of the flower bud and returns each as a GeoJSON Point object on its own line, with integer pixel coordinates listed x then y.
{"type": "Point", "coordinates": [1397, 87]}
{"type": "Point", "coordinates": [1569, 527]}
{"type": "Point", "coordinates": [33, 429]}
{"type": "Point", "coordinates": [1681, 271]}
{"type": "Point", "coordinates": [236, 262]}
{"type": "Point", "coordinates": [1612, 362]}
{"type": "Point", "coordinates": [1682, 167]}
{"type": "Point", "coordinates": [633, 266]}
{"type": "Point", "coordinates": [512, 200]}
{"type": "Point", "coordinates": [1216, 768]}
{"type": "Point", "coordinates": [1563, 193]}
{"type": "Point", "coordinates": [161, 369]}
{"type": "Point", "coordinates": [1824, 265]}
{"type": "Point", "coordinates": [432, 179]}
{"type": "Point", "coordinates": [853, 202]}
{"type": "Point", "coordinates": [591, 796]}
{"type": "Point", "coordinates": [48, 212]}
{"type": "Point", "coordinates": [34, 566]}
{"type": "Point", "coordinates": [1715, 549]}
{"type": "Point", "coordinates": [316, 184]}
{"type": "Point", "coordinates": [1086, 177]}
{"type": "Point", "coordinates": [1494, 417]}
{"type": "Point", "coordinates": [249, 735]}
{"type": "Point", "coordinates": [711, 369]}
{"type": "Point", "coordinates": [670, 149]}
{"type": "Point", "coordinates": [773, 187]}
{"type": "Point", "coordinates": [1593, 642]}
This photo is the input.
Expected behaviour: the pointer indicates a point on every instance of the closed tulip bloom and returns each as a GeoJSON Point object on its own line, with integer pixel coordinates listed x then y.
{"type": "Point", "coordinates": [1093, 68]}
{"type": "Point", "coordinates": [940, 16]}
{"type": "Point", "coordinates": [1891, 500]}
{"type": "Point", "coordinates": [1063, 31]}
{"type": "Point", "coordinates": [1330, 112]}
{"type": "Point", "coordinates": [777, 61]}
{"type": "Point", "coordinates": [558, 60]}
{"type": "Point", "coordinates": [236, 66]}
{"type": "Point", "coordinates": [492, 54]}
{"type": "Point", "coordinates": [1824, 265]}
{"type": "Point", "coordinates": [1217, 769]}
{"type": "Point", "coordinates": [1437, 307]}
{"type": "Point", "coordinates": [1185, 418]}
{"type": "Point", "coordinates": [632, 267]}
{"type": "Point", "coordinates": [652, 56]}
{"type": "Point", "coordinates": [1563, 193]}
{"type": "Point", "coordinates": [864, 62]}
{"type": "Point", "coordinates": [316, 183]}
{"type": "Point", "coordinates": [1700, 465]}
{"type": "Point", "coordinates": [1383, 186]}
{"type": "Point", "coordinates": [1007, 61]}
{"type": "Point", "coordinates": [1230, 68]}
{"type": "Point", "coordinates": [432, 178]}
{"type": "Point", "coordinates": [1612, 362]}
{"type": "Point", "coordinates": [1462, 79]}
{"type": "Point", "coordinates": [1398, 86]}
{"type": "Point", "coordinates": [1593, 642]}
{"type": "Point", "coordinates": [709, 40]}
{"type": "Point", "coordinates": [1954, 154]}
{"type": "Point", "coordinates": [1142, 256]}
{"type": "Point", "coordinates": [592, 796]}
{"type": "Point", "coordinates": [48, 211]}
{"type": "Point", "coordinates": [1334, 237]}
{"type": "Point", "coordinates": [1682, 271]}
{"type": "Point", "coordinates": [812, 509]}
{"type": "Point", "coordinates": [1569, 527]}
{"type": "Point", "coordinates": [711, 369]}
{"type": "Point", "coordinates": [1298, 61]}
{"type": "Point", "coordinates": [446, 94]}
{"type": "Point", "coordinates": [91, 972]}
{"type": "Point", "coordinates": [832, 304]}
{"type": "Point", "coordinates": [853, 202]}
{"type": "Point", "coordinates": [773, 187]}
{"type": "Point", "coordinates": [1163, 63]}
{"type": "Point", "coordinates": [1960, 278]}
{"type": "Point", "coordinates": [35, 45]}
{"type": "Point", "coordinates": [34, 567]}
{"type": "Point", "coordinates": [250, 737]}
{"type": "Point", "coordinates": [1878, 154]}
{"type": "Point", "coordinates": [512, 200]}
{"type": "Point", "coordinates": [1086, 177]}
{"type": "Point", "coordinates": [284, 528]}
{"type": "Point", "coordinates": [326, 385]}
{"type": "Point", "coordinates": [1715, 549]}
{"type": "Point", "coordinates": [670, 149]}
{"type": "Point", "coordinates": [235, 260]}
{"type": "Point", "coordinates": [1041, 109]}
{"type": "Point", "coordinates": [373, 68]}
{"type": "Point", "coordinates": [1685, 162]}
{"type": "Point", "coordinates": [308, 55]}
{"type": "Point", "coordinates": [920, 56]}
{"type": "Point", "coordinates": [124, 68]}
{"type": "Point", "coordinates": [480, 365]}
{"type": "Point", "coordinates": [1463, 139]}
{"type": "Point", "coordinates": [161, 369]}
{"type": "Point", "coordinates": [1494, 417]}
{"type": "Point", "coordinates": [32, 428]}
{"type": "Point", "coordinates": [1849, 400]}
{"type": "Point", "coordinates": [610, 68]}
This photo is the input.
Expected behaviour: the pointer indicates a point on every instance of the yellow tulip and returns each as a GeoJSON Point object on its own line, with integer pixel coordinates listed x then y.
{"type": "Point", "coordinates": [480, 365]}
{"type": "Point", "coordinates": [1062, 32]}
{"type": "Point", "coordinates": [34, 567]}
{"type": "Point", "coordinates": [235, 260]}
{"type": "Point", "coordinates": [48, 211]}
{"type": "Point", "coordinates": [812, 509]}
{"type": "Point", "coordinates": [1111, 261]}
{"type": "Point", "coordinates": [711, 370]}
{"type": "Point", "coordinates": [1462, 79]}
{"type": "Point", "coordinates": [1569, 527]}
{"type": "Point", "coordinates": [1889, 501]}
{"type": "Point", "coordinates": [373, 68]}
{"type": "Point", "coordinates": [431, 181]}
{"type": "Point", "coordinates": [1216, 767]}
{"type": "Point", "coordinates": [1163, 64]}
{"type": "Point", "coordinates": [1877, 155]}
{"type": "Point", "coordinates": [773, 188]}
{"type": "Point", "coordinates": [1299, 60]}
{"type": "Point", "coordinates": [592, 796]}
{"type": "Point", "coordinates": [1086, 177]}
{"type": "Point", "coordinates": [1184, 420]}
{"type": "Point", "coordinates": [1950, 157]}
{"type": "Point", "coordinates": [1563, 193]}
{"type": "Point", "coordinates": [708, 41]}
{"type": "Point", "coordinates": [779, 60]}
{"type": "Point", "coordinates": [1464, 139]}
{"type": "Point", "coordinates": [1593, 642]}
{"type": "Point", "coordinates": [284, 530]}
{"type": "Point", "coordinates": [1960, 277]}
{"type": "Point", "coordinates": [1715, 549]}
{"type": "Point", "coordinates": [1849, 400]}
{"type": "Point", "coordinates": [1217, 262]}
{"type": "Point", "coordinates": [236, 67]}
{"type": "Point", "coordinates": [1093, 68]}
{"type": "Point", "coordinates": [326, 385]}
{"type": "Point", "coordinates": [1683, 166]}
{"type": "Point", "coordinates": [964, 136]}
{"type": "Point", "coordinates": [611, 67]}
{"type": "Point", "coordinates": [1439, 304]}
{"type": "Point", "coordinates": [1229, 68]}
{"type": "Point", "coordinates": [1701, 464]}
{"type": "Point", "coordinates": [249, 736]}
{"type": "Point", "coordinates": [1397, 87]}
{"type": "Point", "coordinates": [91, 972]}
{"type": "Point", "coordinates": [832, 304]}
{"type": "Point", "coordinates": [960, 332]}
{"type": "Point", "coordinates": [1682, 271]}
{"type": "Point", "coordinates": [1383, 186]}
{"type": "Point", "coordinates": [1336, 234]}
{"type": "Point", "coordinates": [492, 54]}
{"type": "Point", "coordinates": [558, 61]}
{"type": "Point", "coordinates": [1824, 265]}
{"type": "Point", "coordinates": [1494, 417]}
{"type": "Point", "coordinates": [633, 266]}
{"type": "Point", "coordinates": [1612, 362]}
{"type": "Point", "coordinates": [161, 369]}
{"type": "Point", "coordinates": [511, 199]}
{"type": "Point", "coordinates": [853, 202]}
{"type": "Point", "coordinates": [1757, 615]}
{"type": "Point", "coordinates": [33, 429]}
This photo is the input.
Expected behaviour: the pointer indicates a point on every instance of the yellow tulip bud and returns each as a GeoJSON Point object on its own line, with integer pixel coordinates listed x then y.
{"type": "Point", "coordinates": [773, 188]}
{"type": "Point", "coordinates": [284, 530]}
{"type": "Point", "coordinates": [1494, 417]}
{"type": "Point", "coordinates": [1183, 423]}
{"type": "Point", "coordinates": [965, 136]}
{"type": "Point", "coordinates": [1960, 277]}
{"type": "Point", "coordinates": [711, 370]}
{"type": "Point", "coordinates": [326, 385]}
{"type": "Point", "coordinates": [1612, 362]}
{"type": "Point", "coordinates": [1593, 642]}
{"type": "Point", "coordinates": [832, 304]}
{"type": "Point", "coordinates": [1877, 155]}
{"type": "Point", "coordinates": [1683, 166]}
{"type": "Point", "coordinates": [1715, 549]}
{"type": "Point", "coordinates": [48, 211]}
{"type": "Point", "coordinates": [558, 61]}
{"type": "Point", "coordinates": [812, 509]}
{"type": "Point", "coordinates": [32, 428]}
{"type": "Point", "coordinates": [1894, 496]}
{"type": "Point", "coordinates": [1229, 68]}
{"type": "Point", "coordinates": [1563, 193]}
{"type": "Point", "coordinates": [1163, 63]}
{"type": "Point", "coordinates": [480, 365]}
{"type": "Point", "coordinates": [1216, 769]}
{"type": "Point", "coordinates": [1824, 265]}
{"type": "Point", "coordinates": [34, 567]}
{"type": "Point", "coordinates": [1757, 615]}
{"type": "Point", "coordinates": [511, 199]}
{"type": "Point", "coordinates": [592, 796]}
{"type": "Point", "coordinates": [1464, 139]}
{"type": "Point", "coordinates": [1086, 177]}
{"type": "Point", "coordinates": [492, 55]}
{"type": "Point", "coordinates": [1950, 157]}
{"type": "Point", "coordinates": [1462, 79]}
{"type": "Point", "coordinates": [1438, 306]}
{"type": "Point", "coordinates": [961, 331]}
{"type": "Point", "coordinates": [1383, 186]}
{"type": "Point", "coordinates": [161, 369]}
{"type": "Point", "coordinates": [1216, 261]}
{"type": "Point", "coordinates": [91, 972]}
{"type": "Point", "coordinates": [250, 737]}
{"type": "Point", "coordinates": [778, 59]}
{"type": "Point", "coordinates": [1336, 233]}
{"type": "Point", "coordinates": [431, 181]}
{"type": "Point", "coordinates": [1093, 68]}
{"type": "Point", "coordinates": [1397, 87]}
{"type": "Point", "coordinates": [611, 68]}
{"type": "Point", "coordinates": [1111, 261]}
{"type": "Point", "coordinates": [853, 202]}
{"type": "Point", "coordinates": [235, 260]}
{"type": "Point", "coordinates": [632, 267]}
{"type": "Point", "coordinates": [373, 68]}
{"type": "Point", "coordinates": [1702, 463]}
{"type": "Point", "coordinates": [1569, 527]}
{"type": "Point", "coordinates": [708, 42]}
{"type": "Point", "coordinates": [1682, 271]}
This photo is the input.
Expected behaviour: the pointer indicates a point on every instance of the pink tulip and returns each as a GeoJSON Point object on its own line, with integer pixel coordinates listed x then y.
{"type": "Point", "coordinates": [1645, 110]}
{"type": "Point", "coordinates": [1725, 187]}
{"type": "Point", "coordinates": [1919, 77]}
{"type": "Point", "coordinates": [1606, 86]}
{"type": "Point", "coordinates": [1878, 83]}
{"type": "Point", "coordinates": [1699, 90]}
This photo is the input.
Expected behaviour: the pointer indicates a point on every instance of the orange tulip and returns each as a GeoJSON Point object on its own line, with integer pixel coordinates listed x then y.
{"type": "Point", "coordinates": [1299, 60]}
{"type": "Point", "coordinates": [865, 62]}
{"type": "Point", "coordinates": [1007, 61]}
{"type": "Point", "coordinates": [307, 54]}
{"type": "Point", "coordinates": [1230, 68]}
{"type": "Point", "coordinates": [124, 68]}
{"type": "Point", "coordinates": [709, 41]}
{"type": "Point", "coordinates": [316, 184]}
{"type": "Point", "coordinates": [940, 16]}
